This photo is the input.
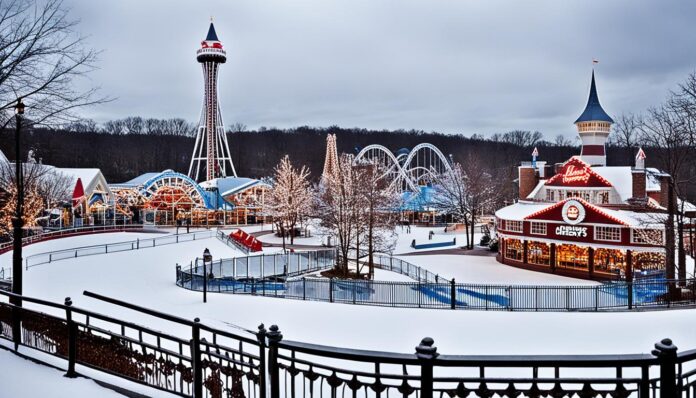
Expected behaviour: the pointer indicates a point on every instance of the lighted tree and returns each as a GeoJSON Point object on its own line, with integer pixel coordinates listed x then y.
{"type": "Point", "coordinates": [44, 188]}
{"type": "Point", "coordinates": [290, 199]}
{"type": "Point", "coordinates": [337, 207]}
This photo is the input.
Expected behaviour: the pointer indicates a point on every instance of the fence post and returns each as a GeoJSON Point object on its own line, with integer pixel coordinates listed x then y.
{"type": "Point", "coordinates": [629, 294]}
{"type": "Point", "coordinates": [453, 295]}
{"type": "Point", "coordinates": [331, 290]}
{"type": "Point", "coordinates": [426, 354]}
{"type": "Point", "coordinates": [274, 337]}
{"type": "Point", "coordinates": [137, 243]}
{"type": "Point", "coordinates": [196, 359]}
{"type": "Point", "coordinates": [261, 337]}
{"type": "Point", "coordinates": [72, 340]}
{"type": "Point", "coordinates": [666, 353]}
{"type": "Point", "coordinates": [304, 288]}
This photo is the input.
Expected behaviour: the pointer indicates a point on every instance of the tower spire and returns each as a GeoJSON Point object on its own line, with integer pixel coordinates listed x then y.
{"type": "Point", "coordinates": [211, 153]}
{"type": "Point", "coordinates": [593, 127]}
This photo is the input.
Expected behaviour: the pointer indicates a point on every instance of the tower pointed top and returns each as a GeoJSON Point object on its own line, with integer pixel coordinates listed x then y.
{"type": "Point", "coordinates": [212, 36]}
{"type": "Point", "coordinates": [593, 110]}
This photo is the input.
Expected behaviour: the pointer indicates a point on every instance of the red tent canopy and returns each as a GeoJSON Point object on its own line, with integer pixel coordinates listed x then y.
{"type": "Point", "coordinates": [78, 192]}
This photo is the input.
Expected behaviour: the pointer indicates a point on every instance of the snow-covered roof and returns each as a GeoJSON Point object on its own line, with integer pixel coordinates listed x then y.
{"type": "Point", "coordinates": [3, 158]}
{"type": "Point", "coordinates": [621, 179]}
{"type": "Point", "coordinates": [231, 185]}
{"type": "Point", "coordinates": [521, 210]}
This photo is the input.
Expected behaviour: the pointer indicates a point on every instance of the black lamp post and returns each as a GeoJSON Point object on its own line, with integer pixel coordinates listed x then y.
{"type": "Point", "coordinates": [207, 258]}
{"type": "Point", "coordinates": [17, 221]}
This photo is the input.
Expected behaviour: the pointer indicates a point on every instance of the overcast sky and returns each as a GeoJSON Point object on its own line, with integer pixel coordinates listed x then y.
{"type": "Point", "coordinates": [450, 66]}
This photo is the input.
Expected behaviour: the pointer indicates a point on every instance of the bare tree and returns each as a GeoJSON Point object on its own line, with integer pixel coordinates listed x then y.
{"type": "Point", "coordinates": [40, 59]}
{"type": "Point", "coordinates": [464, 193]}
{"type": "Point", "coordinates": [562, 140]}
{"type": "Point", "coordinates": [290, 200]}
{"type": "Point", "coordinates": [378, 205]}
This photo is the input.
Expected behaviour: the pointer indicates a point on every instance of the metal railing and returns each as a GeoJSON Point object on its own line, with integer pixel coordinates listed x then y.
{"type": "Point", "coordinates": [210, 362]}
{"type": "Point", "coordinates": [430, 290]}
{"type": "Point", "coordinates": [245, 274]}
{"type": "Point", "coordinates": [226, 239]}
{"type": "Point", "coordinates": [49, 257]}
{"type": "Point", "coordinates": [63, 233]}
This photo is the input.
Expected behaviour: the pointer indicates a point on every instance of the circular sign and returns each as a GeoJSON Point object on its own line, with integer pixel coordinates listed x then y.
{"type": "Point", "coordinates": [573, 212]}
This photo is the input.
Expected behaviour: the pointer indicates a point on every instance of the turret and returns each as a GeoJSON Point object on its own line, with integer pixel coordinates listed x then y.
{"type": "Point", "coordinates": [593, 126]}
{"type": "Point", "coordinates": [211, 48]}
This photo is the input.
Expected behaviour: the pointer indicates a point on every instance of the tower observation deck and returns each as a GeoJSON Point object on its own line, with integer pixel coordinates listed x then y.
{"type": "Point", "coordinates": [211, 153]}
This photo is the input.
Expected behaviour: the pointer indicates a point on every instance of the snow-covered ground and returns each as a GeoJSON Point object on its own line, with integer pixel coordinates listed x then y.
{"type": "Point", "coordinates": [18, 374]}
{"type": "Point", "coordinates": [146, 277]}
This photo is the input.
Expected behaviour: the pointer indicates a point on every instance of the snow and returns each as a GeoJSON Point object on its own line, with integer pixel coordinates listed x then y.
{"type": "Point", "coordinates": [420, 234]}
{"type": "Point", "coordinates": [18, 373]}
{"type": "Point", "coordinates": [146, 277]}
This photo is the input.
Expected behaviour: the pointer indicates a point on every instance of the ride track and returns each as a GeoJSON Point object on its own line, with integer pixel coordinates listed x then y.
{"type": "Point", "coordinates": [407, 171]}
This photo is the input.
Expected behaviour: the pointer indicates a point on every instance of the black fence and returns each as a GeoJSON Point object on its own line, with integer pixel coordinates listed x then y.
{"type": "Point", "coordinates": [137, 244]}
{"type": "Point", "coordinates": [209, 362]}
{"type": "Point", "coordinates": [658, 293]}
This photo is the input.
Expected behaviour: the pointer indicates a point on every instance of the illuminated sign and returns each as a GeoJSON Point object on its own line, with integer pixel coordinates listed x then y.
{"type": "Point", "coordinates": [565, 230]}
{"type": "Point", "coordinates": [573, 212]}
{"type": "Point", "coordinates": [575, 174]}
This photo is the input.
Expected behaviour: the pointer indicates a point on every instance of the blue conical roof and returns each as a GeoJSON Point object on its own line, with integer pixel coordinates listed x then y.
{"type": "Point", "coordinates": [212, 36]}
{"type": "Point", "coordinates": [593, 111]}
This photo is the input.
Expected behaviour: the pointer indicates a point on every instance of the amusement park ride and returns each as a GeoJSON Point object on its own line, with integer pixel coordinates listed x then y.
{"type": "Point", "coordinates": [407, 170]}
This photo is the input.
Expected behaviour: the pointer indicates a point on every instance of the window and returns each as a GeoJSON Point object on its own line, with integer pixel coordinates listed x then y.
{"type": "Point", "coordinates": [513, 226]}
{"type": "Point", "coordinates": [514, 249]}
{"type": "Point", "coordinates": [538, 253]}
{"type": "Point", "coordinates": [550, 195]}
{"type": "Point", "coordinates": [647, 236]}
{"type": "Point", "coordinates": [500, 224]}
{"type": "Point", "coordinates": [538, 228]}
{"type": "Point", "coordinates": [571, 256]}
{"type": "Point", "coordinates": [612, 234]}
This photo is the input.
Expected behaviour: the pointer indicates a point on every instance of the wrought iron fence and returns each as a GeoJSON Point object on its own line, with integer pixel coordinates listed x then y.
{"type": "Point", "coordinates": [49, 257]}
{"type": "Point", "coordinates": [209, 362]}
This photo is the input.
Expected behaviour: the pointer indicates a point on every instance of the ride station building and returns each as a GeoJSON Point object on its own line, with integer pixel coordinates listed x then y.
{"type": "Point", "coordinates": [585, 219]}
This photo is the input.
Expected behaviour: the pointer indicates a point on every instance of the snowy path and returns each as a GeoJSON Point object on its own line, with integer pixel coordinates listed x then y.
{"type": "Point", "coordinates": [18, 373]}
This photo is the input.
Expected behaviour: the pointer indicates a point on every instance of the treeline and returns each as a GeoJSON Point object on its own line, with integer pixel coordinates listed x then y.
{"type": "Point", "coordinates": [128, 147]}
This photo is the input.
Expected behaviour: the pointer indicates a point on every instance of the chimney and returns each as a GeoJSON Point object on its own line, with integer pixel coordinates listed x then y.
{"type": "Point", "coordinates": [639, 191]}
{"type": "Point", "coordinates": [528, 179]}
{"type": "Point", "coordinates": [664, 189]}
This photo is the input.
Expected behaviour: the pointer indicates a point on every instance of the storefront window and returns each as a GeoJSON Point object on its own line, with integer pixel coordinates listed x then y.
{"type": "Point", "coordinates": [514, 249]}
{"type": "Point", "coordinates": [538, 253]}
{"type": "Point", "coordinates": [572, 256]}
{"type": "Point", "coordinates": [647, 261]}
{"type": "Point", "coordinates": [610, 261]}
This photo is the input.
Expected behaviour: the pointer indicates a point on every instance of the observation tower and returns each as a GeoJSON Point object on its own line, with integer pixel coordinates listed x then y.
{"type": "Point", "coordinates": [211, 154]}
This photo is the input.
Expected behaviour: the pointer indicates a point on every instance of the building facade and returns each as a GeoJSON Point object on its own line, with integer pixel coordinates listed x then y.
{"type": "Point", "coordinates": [583, 218]}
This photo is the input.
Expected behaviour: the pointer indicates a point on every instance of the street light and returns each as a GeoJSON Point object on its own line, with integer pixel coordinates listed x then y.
{"type": "Point", "coordinates": [17, 221]}
{"type": "Point", "coordinates": [207, 258]}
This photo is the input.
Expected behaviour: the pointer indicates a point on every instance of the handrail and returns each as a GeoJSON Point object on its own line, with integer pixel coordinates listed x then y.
{"type": "Point", "coordinates": [135, 245]}
{"type": "Point", "coordinates": [7, 246]}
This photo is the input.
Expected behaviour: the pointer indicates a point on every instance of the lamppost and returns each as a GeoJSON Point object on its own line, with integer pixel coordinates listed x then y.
{"type": "Point", "coordinates": [207, 258]}
{"type": "Point", "coordinates": [17, 221]}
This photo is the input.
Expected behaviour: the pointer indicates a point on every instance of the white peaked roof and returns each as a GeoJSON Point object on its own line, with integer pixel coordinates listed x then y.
{"type": "Point", "coordinates": [621, 178]}
{"type": "Point", "coordinates": [521, 210]}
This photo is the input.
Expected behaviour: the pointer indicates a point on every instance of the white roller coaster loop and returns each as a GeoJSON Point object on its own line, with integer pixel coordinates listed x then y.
{"type": "Point", "coordinates": [407, 172]}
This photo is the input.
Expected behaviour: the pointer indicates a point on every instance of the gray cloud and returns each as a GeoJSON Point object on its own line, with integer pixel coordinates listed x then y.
{"type": "Point", "coordinates": [456, 67]}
